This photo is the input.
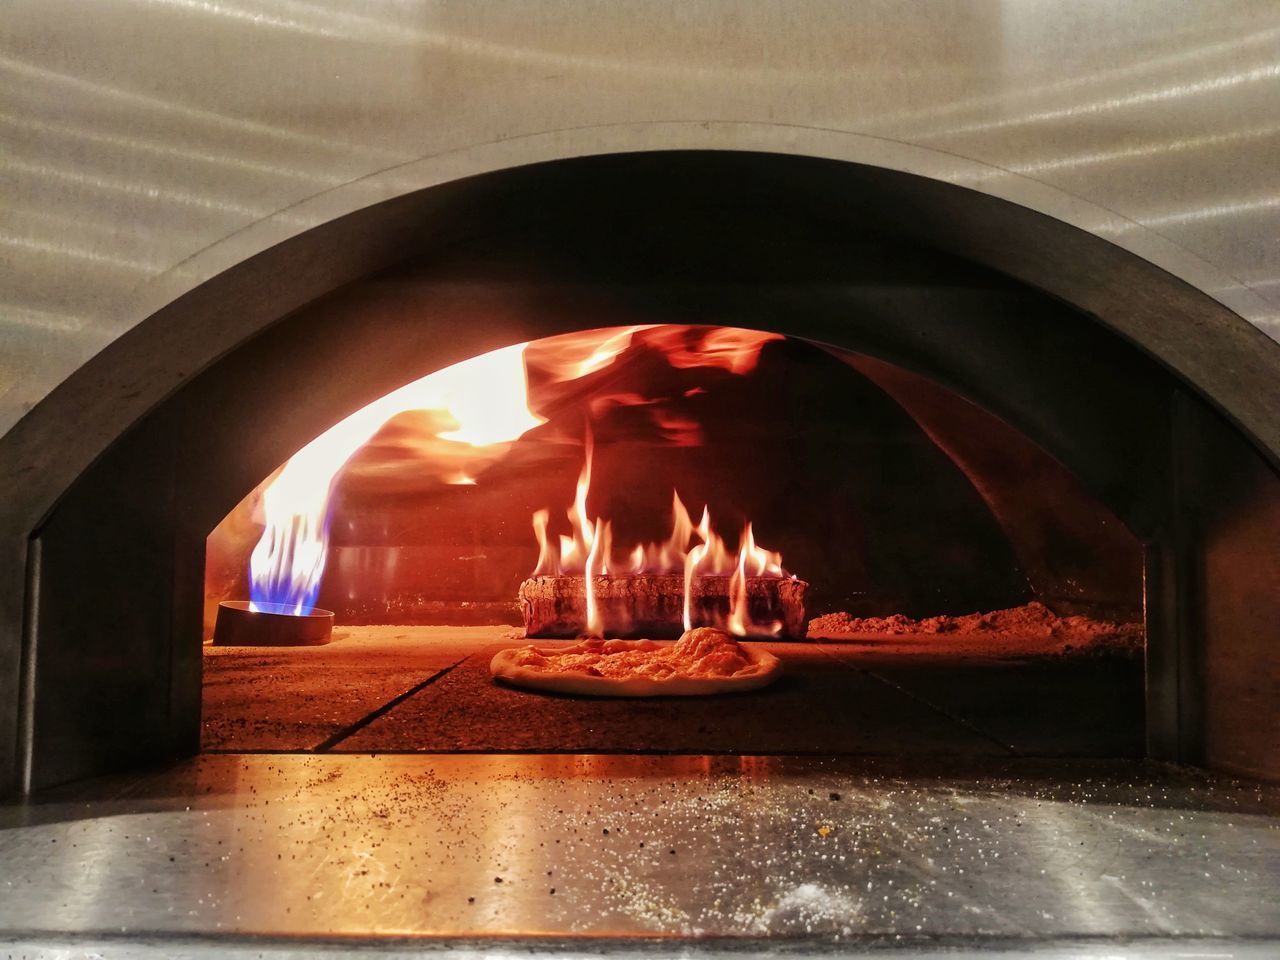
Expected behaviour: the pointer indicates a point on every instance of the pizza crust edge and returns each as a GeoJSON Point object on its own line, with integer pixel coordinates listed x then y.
{"type": "Point", "coordinates": [504, 668]}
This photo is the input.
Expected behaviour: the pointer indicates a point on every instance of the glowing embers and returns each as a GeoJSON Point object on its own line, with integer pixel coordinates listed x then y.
{"type": "Point", "coordinates": [661, 589]}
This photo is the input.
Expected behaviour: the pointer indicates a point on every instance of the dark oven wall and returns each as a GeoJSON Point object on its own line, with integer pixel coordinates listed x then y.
{"type": "Point", "coordinates": [119, 563]}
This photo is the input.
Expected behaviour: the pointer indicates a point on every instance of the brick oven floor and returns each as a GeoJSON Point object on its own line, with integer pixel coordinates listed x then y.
{"type": "Point", "coordinates": [427, 689]}
{"type": "Point", "coordinates": [275, 856]}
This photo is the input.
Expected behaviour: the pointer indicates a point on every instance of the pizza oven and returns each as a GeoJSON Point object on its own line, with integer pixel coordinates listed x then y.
{"type": "Point", "coordinates": [893, 432]}
{"type": "Point", "coordinates": [637, 480]}
{"type": "Point", "coordinates": [623, 397]}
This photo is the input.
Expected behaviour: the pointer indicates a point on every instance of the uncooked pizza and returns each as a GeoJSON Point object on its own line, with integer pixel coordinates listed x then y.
{"type": "Point", "coordinates": [703, 661]}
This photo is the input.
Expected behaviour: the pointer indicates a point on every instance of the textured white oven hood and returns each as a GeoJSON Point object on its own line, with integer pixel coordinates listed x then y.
{"type": "Point", "coordinates": [148, 146]}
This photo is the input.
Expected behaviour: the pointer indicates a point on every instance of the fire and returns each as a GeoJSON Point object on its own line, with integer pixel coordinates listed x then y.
{"type": "Point", "coordinates": [753, 561]}
{"type": "Point", "coordinates": [693, 552]}
{"type": "Point", "coordinates": [667, 556]}
{"type": "Point", "coordinates": [572, 356]}
{"type": "Point", "coordinates": [485, 399]}
{"type": "Point", "coordinates": [732, 348]}
{"type": "Point", "coordinates": [483, 403]}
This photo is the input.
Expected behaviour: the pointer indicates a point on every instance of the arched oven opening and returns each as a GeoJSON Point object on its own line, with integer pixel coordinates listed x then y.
{"type": "Point", "coordinates": [931, 581]}
{"type": "Point", "coordinates": [968, 517]}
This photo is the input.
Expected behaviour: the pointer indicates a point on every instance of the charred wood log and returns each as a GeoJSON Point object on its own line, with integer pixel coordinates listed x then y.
{"type": "Point", "coordinates": [652, 606]}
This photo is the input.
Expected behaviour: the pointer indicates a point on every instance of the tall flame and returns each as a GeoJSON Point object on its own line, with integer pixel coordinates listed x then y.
{"type": "Point", "coordinates": [288, 561]}
{"type": "Point", "coordinates": [548, 562]}
{"type": "Point", "coordinates": [667, 556]}
{"type": "Point", "coordinates": [588, 552]}
{"type": "Point", "coordinates": [753, 561]}
{"type": "Point", "coordinates": [737, 597]}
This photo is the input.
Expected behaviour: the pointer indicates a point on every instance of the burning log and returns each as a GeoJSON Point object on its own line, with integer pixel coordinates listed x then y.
{"type": "Point", "coordinates": [652, 605]}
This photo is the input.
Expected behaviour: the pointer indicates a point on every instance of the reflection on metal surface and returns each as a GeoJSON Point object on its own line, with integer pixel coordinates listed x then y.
{"type": "Point", "coordinates": [1163, 148]}
{"type": "Point", "coordinates": [968, 948]}
{"type": "Point", "coordinates": [75, 253]}
{"type": "Point", "coordinates": [1181, 60]}
{"type": "Point", "coordinates": [645, 846]}
{"type": "Point", "coordinates": [1254, 206]}
{"type": "Point", "coordinates": [116, 141]}
{"type": "Point", "coordinates": [1178, 91]}
{"type": "Point", "coordinates": [129, 188]}
{"type": "Point", "coordinates": [183, 123]}
{"type": "Point", "coordinates": [145, 102]}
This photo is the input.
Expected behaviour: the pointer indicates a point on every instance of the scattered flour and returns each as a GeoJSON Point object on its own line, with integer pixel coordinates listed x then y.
{"type": "Point", "coordinates": [1032, 622]}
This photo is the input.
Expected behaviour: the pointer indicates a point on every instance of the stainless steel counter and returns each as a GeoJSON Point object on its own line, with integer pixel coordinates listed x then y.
{"type": "Point", "coordinates": [820, 853]}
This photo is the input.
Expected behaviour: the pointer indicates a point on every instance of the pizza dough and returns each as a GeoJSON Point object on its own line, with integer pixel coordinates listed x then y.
{"type": "Point", "coordinates": [703, 661]}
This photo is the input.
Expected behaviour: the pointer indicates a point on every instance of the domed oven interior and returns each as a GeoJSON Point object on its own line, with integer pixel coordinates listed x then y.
{"type": "Point", "coordinates": [687, 454]}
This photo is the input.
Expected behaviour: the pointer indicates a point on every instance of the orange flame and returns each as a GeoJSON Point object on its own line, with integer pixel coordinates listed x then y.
{"type": "Point", "coordinates": [753, 561]}
{"type": "Point", "coordinates": [738, 597]}
{"type": "Point", "coordinates": [484, 402]}
{"type": "Point", "coordinates": [668, 556]}
{"type": "Point", "coordinates": [588, 551]}
{"type": "Point", "coordinates": [572, 356]}
{"type": "Point", "coordinates": [288, 561]}
{"type": "Point", "coordinates": [731, 348]}
{"type": "Point", "coordinates": [548, 562]}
